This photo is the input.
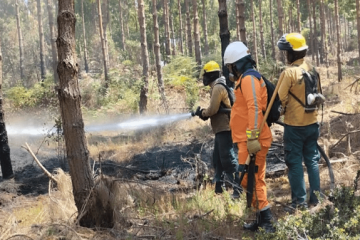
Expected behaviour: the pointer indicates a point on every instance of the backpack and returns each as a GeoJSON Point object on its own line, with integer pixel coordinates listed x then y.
{"type": "Point", "coordinates": [276, 107]}
{"type": "Point", "coordinates": [312, 96]}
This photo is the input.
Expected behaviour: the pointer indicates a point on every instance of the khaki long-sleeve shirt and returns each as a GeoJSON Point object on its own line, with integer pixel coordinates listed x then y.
{"type": "Point", "coordinates": [292, 80]}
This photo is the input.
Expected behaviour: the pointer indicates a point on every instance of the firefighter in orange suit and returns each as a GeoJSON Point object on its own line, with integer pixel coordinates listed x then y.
{"type": "Point", "coordinates": [246, 117]}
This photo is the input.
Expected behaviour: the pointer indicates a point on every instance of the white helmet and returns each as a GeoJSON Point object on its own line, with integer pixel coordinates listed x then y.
{"type": "Point", "coordinates": [235, 51]}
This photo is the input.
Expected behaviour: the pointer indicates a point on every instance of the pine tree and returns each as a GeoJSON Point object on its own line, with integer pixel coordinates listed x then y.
{"type": "Point", "coordinates": [338, 40]}
{"type": "Point", "coordinates": [206, 47]}
{"type": "Point", "coordinates": [41, 39]}
{"type": "Point", "coordinates": [84, 36]}
{"type": "Point", "coordinates": [181, 29]}
{"type": "Point", "coordinates": [50, 6]}
{"type": "Point", "coordinates": [20, 36]}
{"type": "Point", "coordinates": [196, 33]}
{"type": "Point", "coordinates": [103, 46]}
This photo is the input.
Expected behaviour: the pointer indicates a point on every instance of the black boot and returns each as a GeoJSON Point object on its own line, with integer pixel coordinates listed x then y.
{"type": "Point", "coordinates": [254, 225]}
{"type": "Point", "coordinates": [218, 188]}
{"type": "Point", "coordinates": [265, 221]}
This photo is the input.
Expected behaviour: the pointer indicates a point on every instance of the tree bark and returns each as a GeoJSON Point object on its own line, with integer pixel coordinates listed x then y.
{"type": "Point", "coordinates": [224, 36]}
{"type": "Point", "coordinates": [158, 57]}
{"type": "Point", "coordinates": [322, 30]}
{"type": "Point", "coordinates": [196, 34]}
{"type": "Point", "coordinates": [144, 58]}
{"type": "Point", "coordinates": [5, 160]}
{"type": "Point", "coordinates": [73, 125]}
{"type": "Point", "coordinates": [103, 46]}
{"type": "Point", "coordinates": [272, 30]}
{"type": "Point", "coordinates": [41, 39]}
{"type": "Point", "coordinates": [84, 36]}
{"type": "Point", "coordinates": [298, 16]}
{"type": "Point", "coordinates": [105, 22]}
{"type": "Point", "coordinates": [172, 33]}
{"type": "Point", "coordinates": [241, 7]}
{"type": "Point", "coordinates": [261, 31]}
{"type": "Point", "coordinates": [21, 45]}
{"type": "Point", "coordinates": [254, 52]}
{"type": "Point", "coordinates": [166, 25]}
{"type": "Point", "coordinates": [338, 40]}
{"type": "Point", "coordinates": [50, 7]}
{"type": "Point", "coordinates": [281, 28]}
{"type": "Point", "coordinates": [188, 23]}
{"type": "Point", "coordinates": [122, 26]}
{"type": "Point", "coordinates": [316, 48]}
{"type": "Point", "coordinates": [237, 20]}
{"type": "Point", "coordinates": [206, 47]}
{"type": "Point", "coordinates": [324, 39]}
{"type": "Point", "coordinates": [358, 24]}
{"type": "Point", "coordinates": [311, 45]}
{"type": "Point", "coordinates": [181, 29]}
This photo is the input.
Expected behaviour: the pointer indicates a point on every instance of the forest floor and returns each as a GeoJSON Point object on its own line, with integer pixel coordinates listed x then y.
{"type": "Point", "coordinates": [159, 169]}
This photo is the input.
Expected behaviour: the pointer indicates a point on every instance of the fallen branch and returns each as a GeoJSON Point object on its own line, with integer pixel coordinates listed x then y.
{"type": "Point", "coordinates": [344, 135]}
{"type": "Point", "coordinates": [347, 114]}
{"type": "Point", "coordinates": [352, 84]}
{"type": "Point", "coordinates": [39, 163]}
{"type": "Point", "coordinates": [19, 235]}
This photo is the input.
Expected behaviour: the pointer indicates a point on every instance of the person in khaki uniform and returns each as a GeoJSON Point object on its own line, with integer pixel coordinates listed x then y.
{"type": "Point", "coordinates": [224, 157]}
{"type": "Point", "coordinates": [246, 117]}
{"type": "Point", "coordinates": [301, 126]}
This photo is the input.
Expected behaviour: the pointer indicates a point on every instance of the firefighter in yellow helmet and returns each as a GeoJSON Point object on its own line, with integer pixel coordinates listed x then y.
{"type": "Point", "coordinates": [224, 157]}
{"type": "Point", "coordinates": [300, 96]}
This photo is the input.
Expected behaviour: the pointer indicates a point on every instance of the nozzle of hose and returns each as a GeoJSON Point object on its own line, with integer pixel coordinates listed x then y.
{"type": "Point", "coordinates": [194, 113]}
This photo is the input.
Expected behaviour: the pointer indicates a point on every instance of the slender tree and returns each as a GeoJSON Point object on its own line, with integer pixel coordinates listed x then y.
{"type": "Point", "coordinates": [105, 22]}
{"type": "Point", "coordinates": [103, 46]}
{"type": "Point", "coordinates": [21, 45]}
{"type": "Point", "coordinates": [5, 160]}
{"type": "Point", "coordinates": [322, 30]}
{"type": "Point", "coordinates": [188, 26]}
{"type": "Point", "coordinates": [41, 38]}
{"type": "Point", "coordinates": [196, 33]}
{"type": "Point", "coordinates": [158, 57]}
{"type": "Point", "coordinates": [241, 7]}
{"type": "Point", "coordinates": [254, 52]}
{"type": "Point", "coordinates": [358, 24]}
{"type": "Point", "coordinates": [224, 36]}
{"type": "Point", "coordinates": [167, 28]}
{"type": "Point", "coordinates": [311, 45]}
{"type": "Point", "coordinates": [50, 7]}
{"type": "Point", "coordinates": [261, 31]}
{"type": "Point", "coordinates": [281, 27]}
{"type": "Point", "coordinates": [144, 58]}
{"type": "Point", "coordinates": [121, 9]}
{"type": "Point", "coordinates": [298, 16]}
{"type": "Point", "coordinates": [172, 34]}
{"type": "Point", "coordinates": [206, 47]}
{"type": "Point", "coordinates": [237, 20]}
{"type": "Point", "coordinates": [181, 29]}
{"type": "Point", "coordinates": [323, 33]}
{"type": "Point", "coordinates": [93, 209]}
{"type": "Point", "coordinates": [316, 48]}
{"type": "Point", "coordinates": [338, 40]}
{"type": "Point", "coordinates": [84, 37]}
{"type": "Point", "coordinates": [272, 30]}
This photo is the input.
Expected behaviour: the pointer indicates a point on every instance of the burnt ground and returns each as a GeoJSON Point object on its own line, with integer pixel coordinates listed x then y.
{"type": "Point", "coordinates": [170, 167]}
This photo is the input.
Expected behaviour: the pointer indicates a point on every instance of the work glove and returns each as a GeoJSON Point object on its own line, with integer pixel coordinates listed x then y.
{"type": "Point", "coordinates": [201, 115]}
{"type": "Point", "coordinates": [198, 113]}
{"type": "Point", "coordinates": [253, 144]}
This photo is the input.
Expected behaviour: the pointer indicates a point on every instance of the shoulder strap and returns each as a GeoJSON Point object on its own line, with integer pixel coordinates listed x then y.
{"type": "Point", "coordinates": [297, 99]}
{"type": "Point", "coordinates": [228, 92]}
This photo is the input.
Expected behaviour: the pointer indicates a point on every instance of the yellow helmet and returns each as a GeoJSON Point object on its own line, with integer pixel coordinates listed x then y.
{"type": "Point", "coordinates": [211, 66]}
{"type": "Point", "coordinates": [292, 41]}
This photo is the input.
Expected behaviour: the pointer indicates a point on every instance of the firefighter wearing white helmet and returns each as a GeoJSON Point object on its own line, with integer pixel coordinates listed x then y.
{"type": "Point", "coordinates": [301, 129]}
{"type": "Point", "coordinates": [246, 117]}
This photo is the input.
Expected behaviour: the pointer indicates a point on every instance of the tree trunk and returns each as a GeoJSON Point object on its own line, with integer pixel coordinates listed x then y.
{"type": "Point", "coordinates": [338, 40]}
{"type": "Point", "coordinates": [166, 25]}
{"type": "Point", "coordinates": [323, 33]}
{"type": "Point", "coordinates": [322, 27]}
{"type": "Point", "coordinates": [41, 38]}
{"type": "Point", "coordinates": [158, 58]}
{"type": "Point", "coordinates": [272, 30]}
{"type": "Point", "coordinates": [172, 34]}
{"type": "Point", "coordinates": [241, 7]}
{"type": "Point", "coordinates": [206, 47]}
{"type": "Point", "coordinates": [311, 45]}
{"type": "Point", "coordinates": [254, 52]}
{"type": "Point", "coordinates": [358, 24]}
{"type": "Point", "coordinates": [21, 45]}
{"type": "Point", "coordinates": [50, 6]}
{"type": "Point", "coordinates": [281, 28]}
{"type": "Point", "coordinates": [84, 36]}
{"type": "Point", "coordinates": [122, 26]}
{"type": "Point", "coordinates": [105, 16]}
{"type": "Point", "coordinates": [103, 46]}
{"type": "Point", "coordinates": [224, 36]}
{"type": "Point", "coordinates": [144, 57]}
{"type": "Point", "coordinates": [91, 212]}
{"type": "Point", "coordinates": [298, 16]}
{"type": "Point", "coordinates": [290, 19]}
{"type": "Point", "coordinates": [316, 48]}
{"type": "Point", "coordinates": [261, 32]}
{"type": "Point", "coordinates": [237, 20]}
{"type": "Point", "coordinates": [188, 23]}
{"type": "Point", "coordinates": [181, 29]}
{"type": "Point", "coordinates": [5, 160]}
{"type": "Point", "coordinates": [196, 34]}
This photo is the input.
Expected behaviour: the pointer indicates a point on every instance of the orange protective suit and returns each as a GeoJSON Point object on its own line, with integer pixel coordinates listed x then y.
{"type": "Point", "coordinates": [247, 113]}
